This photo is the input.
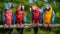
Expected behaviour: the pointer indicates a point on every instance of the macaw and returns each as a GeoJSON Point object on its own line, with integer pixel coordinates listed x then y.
{"type": "Point", "coordinates": [42, 13]}
{"type": "Point", "coordinates": [49, 14]}
{"type": "Point", "coordinates": [35, 16]}
{"type": "Point", "coordinates": [7, 15]}
{"type": "Point", "coordinates": [20, 17]}
{"type": "Point", "coordinates": [48, 17]}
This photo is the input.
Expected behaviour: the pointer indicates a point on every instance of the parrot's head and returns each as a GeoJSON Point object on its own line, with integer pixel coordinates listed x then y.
{"type": "Point", "coordinates": [21, 6]}
{"type": "Point", "coordinates": [32, 8]}
{"type": "Point", "coordinates": [46, 8]}
{"type": "Point", "coordinates": [11, 5]}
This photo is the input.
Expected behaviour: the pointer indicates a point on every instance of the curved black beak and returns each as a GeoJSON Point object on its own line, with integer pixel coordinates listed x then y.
{"type": "Point", "coordinates": [12, 6]}
{"type": "Point", "coordinates": [21, 8]}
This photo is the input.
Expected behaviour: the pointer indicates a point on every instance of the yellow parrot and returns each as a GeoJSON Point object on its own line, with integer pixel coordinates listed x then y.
{"type": "Point", "coordinates": [47, 16]}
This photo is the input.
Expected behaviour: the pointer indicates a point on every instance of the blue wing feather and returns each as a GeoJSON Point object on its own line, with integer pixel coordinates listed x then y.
{"type": "Point", "coordinates": [13, 18]}
{"type": "Point", "coordinates": [52, 19]}
{"type": "Point", "coordinates": [24, 21]}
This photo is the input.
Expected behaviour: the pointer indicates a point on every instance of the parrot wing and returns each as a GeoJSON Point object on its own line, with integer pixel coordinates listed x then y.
{"type": "Point", "coordinates": [24, 21]}
{"type": "Point", "coordinates": [13, 18]}
{"type": "Point", "coordinates": [52, 19]}
{"type": "Point", "coordinates": [41, 15]}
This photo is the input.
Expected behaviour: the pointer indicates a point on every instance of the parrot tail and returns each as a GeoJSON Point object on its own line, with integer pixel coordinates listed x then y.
{"type": "Point", "coordinates": [35, 30]}
{"type": "Point", "coordinates": [47, 30]}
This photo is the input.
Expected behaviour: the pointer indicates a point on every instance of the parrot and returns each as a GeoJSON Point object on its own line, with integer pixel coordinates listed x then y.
{"type": "Point", "coordinates": [35, 17]}
{"type": "Point", "coordinates": [42, 13]}
{"type": "Point", "coordinates": [20, 17]}
{"type": "Point", "coordinates": [48, 18]}
{"type": "Point", "coordinates": [7, 17]}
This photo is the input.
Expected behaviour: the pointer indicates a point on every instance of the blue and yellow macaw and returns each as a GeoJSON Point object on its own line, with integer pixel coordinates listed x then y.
{"type": "Point", "coordinates": [48, 17]}
{"type": "Point", "coordinates": [42, 15]}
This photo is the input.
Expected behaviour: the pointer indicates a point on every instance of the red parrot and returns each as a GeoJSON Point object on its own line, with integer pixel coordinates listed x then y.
{"type": "Point", "coordinates": [35, 16]}
{"type": "Point", "coordinates": [20, 13]}
{"type": "Point", "coordinates": [35, 13]}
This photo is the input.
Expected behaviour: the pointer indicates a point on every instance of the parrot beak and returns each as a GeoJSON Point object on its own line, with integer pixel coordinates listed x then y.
{"type": "Point", "coordinates": [21, 7]}
{"type": "Point", "coordinates": [11, 5]}
{"type": "Point", "coordinates": [48, 8]}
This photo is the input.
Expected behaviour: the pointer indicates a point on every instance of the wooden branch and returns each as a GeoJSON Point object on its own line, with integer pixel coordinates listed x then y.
{"type": "Point", "coordinates": [30, 26]}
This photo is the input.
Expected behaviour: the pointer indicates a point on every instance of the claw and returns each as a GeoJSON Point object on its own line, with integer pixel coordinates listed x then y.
{"type": "Point", "coordinates": [18, 25]}
{"type": "Point", "coordinates": [10, 26]}
{"type": "Point", "coordinates": [6, 26]}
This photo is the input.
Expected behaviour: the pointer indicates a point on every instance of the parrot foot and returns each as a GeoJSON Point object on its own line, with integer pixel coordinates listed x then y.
{"type": "Point", "coordinates": [35, 24]}
{"type": "Point", "coordinates": [42, 27]}
{"type": "Point", "coordinates": [18, 25]}
{"type": "Point", "coordinates": [10, 26]}
{"type": "Point", "coordinates": [6, 26]}
{"type": "Point", "coordinates": [48, 28]}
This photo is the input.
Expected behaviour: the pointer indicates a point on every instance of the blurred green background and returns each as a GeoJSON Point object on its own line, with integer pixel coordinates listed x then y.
{"type": "Point", "coordinates": [54, 3]}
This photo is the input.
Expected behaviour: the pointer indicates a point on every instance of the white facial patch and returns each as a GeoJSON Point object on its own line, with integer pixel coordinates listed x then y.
{"type": "Point", "coordinates": [47, 7]}
{"type": "Point", "coordinates": [19, 7]}
{"type": "Point", "coordinates": [33, 8]}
